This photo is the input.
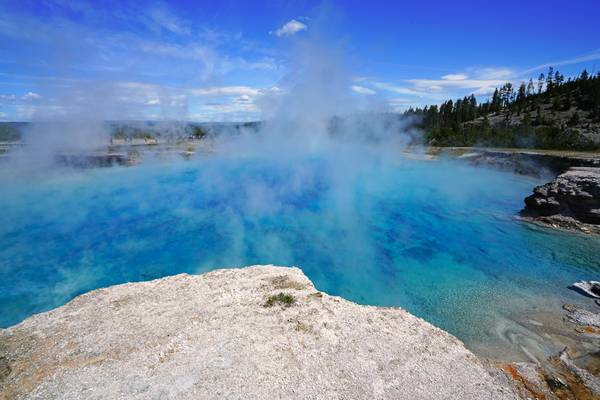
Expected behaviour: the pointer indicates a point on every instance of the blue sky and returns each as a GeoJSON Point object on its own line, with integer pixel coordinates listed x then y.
{"type": "Point", "coordinates": [219, 60]}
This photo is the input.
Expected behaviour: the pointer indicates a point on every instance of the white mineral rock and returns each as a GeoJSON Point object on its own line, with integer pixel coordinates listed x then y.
{"type": "Point", "coordinates": [211, 336]}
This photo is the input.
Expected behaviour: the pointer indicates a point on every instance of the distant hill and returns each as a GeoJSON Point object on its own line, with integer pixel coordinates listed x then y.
{"type": "Point", "coordinates": [17, 131]}
{"type": "Point", "coordinates": [550, 113]}
{"type": "Point", "coordinates": [11, 131]}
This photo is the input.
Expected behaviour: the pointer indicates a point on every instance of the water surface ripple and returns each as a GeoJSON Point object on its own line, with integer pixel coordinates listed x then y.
{"type": "Point", "coordinates": [437, 238]}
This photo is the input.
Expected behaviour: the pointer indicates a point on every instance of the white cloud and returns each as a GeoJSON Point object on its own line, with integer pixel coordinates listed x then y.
{"type": "Point", "coordinates": [228, 103]}
{"type": "Point", "coordinates": [27, 112]}
{"type": "Point", "coordinates": [570, 61]}
{"type": "Point", "coordinates": [399, 104]}
{"type": "Point", "coordinates": [265, 64]}
{"type": "Point", "coordinates": [243, 99]}
{"type": "Point", "coordinates": [236, 109]}
{"type": "Point", "coordinates": [153, 101]}
{"type": "Point", "coordinates": [493, 73]}
{"type": "Point", "coordinates": [225, 91]}
{"type": "Point", "coordinates": [291, 28]}
{"type": "Point", "coordinates": [167, 45]}
{"type": "Point", "coordinates": [7, 98]}
{"type": "Point", "coordinates": [484, 91]}
{"type": "Point", "coordinates": [138, 86]}
{"type": "Point", "coordinates": [398, 89]}
{"type": "Point", "coordinates": [428, 84]}
{"type": "Point", "coordinates": [418, 92]}
{"type": "Point", "coordinates": [189, 52]}
{"type": "Point", "coordinates": [14, 99]}
{"type": "Point", "coordinates": [30, 96]}
{"type": "Point", "coordinates": [3, 115]}
{"type": "Point", "coordinates": [362, 90]}
{"type": "Point", "coordinates": [454, 77]}
{"type": "Point", "coordinates": [161, 17]}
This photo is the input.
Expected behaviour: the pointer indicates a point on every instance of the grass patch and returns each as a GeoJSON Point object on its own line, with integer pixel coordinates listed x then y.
{"type": "Point", "coordinates": [284, 299]}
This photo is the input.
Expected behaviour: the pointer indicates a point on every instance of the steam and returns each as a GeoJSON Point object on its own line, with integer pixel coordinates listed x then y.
{"type": "Point", "coordinates": [314, 108]}
{"type": "Point", "coordinates": [317, 112]}
{"type": "Point", "coordinates": [320, 183]}
{"type": "Point", "coordinates": [318, 139]}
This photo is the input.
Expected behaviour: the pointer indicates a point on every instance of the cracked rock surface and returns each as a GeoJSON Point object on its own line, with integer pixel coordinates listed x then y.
{"type": "Point", "coordinates": [571, 198]}
{"type": "Point", "coordinates": [213, 336]}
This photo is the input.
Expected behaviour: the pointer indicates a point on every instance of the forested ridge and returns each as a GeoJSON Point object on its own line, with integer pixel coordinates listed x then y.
{"type": "Point", "coordinates": [549, 113]}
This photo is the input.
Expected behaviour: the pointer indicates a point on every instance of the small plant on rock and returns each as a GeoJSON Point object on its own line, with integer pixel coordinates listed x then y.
{"type": "Point", "coordinates": [284, 299]}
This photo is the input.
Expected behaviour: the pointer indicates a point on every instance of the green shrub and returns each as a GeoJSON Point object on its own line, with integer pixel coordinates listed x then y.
{"type": "Point", "coordinates": [284, 299]}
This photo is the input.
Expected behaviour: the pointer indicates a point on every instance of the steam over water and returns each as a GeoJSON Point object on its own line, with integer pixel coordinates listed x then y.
{"type": "Point", "coordinates": [437, 238]}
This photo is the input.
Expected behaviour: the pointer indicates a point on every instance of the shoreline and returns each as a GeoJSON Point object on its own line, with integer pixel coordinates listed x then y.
{"type": "Point", "coordinates": [233, 332]}
{"type": "Point", "coordinates": [561, 223]}
{"type": "Point", "coordinates": [129, 307]}
{"type": "Point", "coordinates": [551, 325]}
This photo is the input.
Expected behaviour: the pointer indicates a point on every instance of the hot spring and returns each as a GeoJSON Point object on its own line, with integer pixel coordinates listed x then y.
{"type": "Point", "coordinates": [438, 238]}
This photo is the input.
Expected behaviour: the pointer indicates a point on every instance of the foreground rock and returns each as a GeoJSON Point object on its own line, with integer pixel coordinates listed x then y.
{"type": "Point", "coordinates": [518, 163]}
{"type": "Point", "coordinates": [590, 382]}
{"type": "Point", "coordinates": [571, 201]}
{"type": "Point", "coordinates": [557, 378]}
{"type": "Point", "coordinates": [214, 336]}
{"type": "Point", "coordinates": [587, 321]}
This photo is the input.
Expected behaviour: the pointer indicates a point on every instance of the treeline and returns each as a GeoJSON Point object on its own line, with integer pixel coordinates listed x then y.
{"type": "Point", "coordinates": [125, 131]}
{"type": "Point", "coordinates": [11, 131]}
{"type": "Point", "coordinates": [551, 112]}
{"type": "Point", "coordinates": [151, 130]}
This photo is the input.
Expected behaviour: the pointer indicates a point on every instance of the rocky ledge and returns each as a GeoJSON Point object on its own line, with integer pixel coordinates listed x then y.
{"type": "Point", "coordinates": [537, 163]}
{"type": "Point", "coordinates": [571, 201]}
{"type": "Point", "coordinates": [254, 333]}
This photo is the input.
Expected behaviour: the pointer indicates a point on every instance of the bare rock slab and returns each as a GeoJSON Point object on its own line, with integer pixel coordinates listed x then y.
{"type": "Point", "coordinates": [570, 201]}
{"type": "Point", "coordinates": [217, 336]}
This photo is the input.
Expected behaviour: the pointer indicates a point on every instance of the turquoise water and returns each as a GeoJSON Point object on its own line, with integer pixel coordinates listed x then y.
{"type": "Point", "coordinates": [437, 238]}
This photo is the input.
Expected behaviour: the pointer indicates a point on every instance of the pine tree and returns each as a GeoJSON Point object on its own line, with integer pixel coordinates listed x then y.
{"type": "Point", "coordinates": [458, 110]}
{"type": "Point", "coordinates": [506, 93]}
{"type": "Point", "coordinates": [558, 78]}
{"type": "Point", "coordinates": [540, 83]}
{"type": "Point", "coordinates": [584, 75]}
{"type": "Point", "coordinates": [549, 79]}
{"type": "Point", "coordinates": [520, 99]}
{"type": "Point", "coordinates": [472, 107]}
{"type": "Point", "coordinates": [522, 92]}
{"type": "Point", "coordinates": [550, 75]}
{"type": "Point", "coordinates": [496, 101]}
{"type": "Point", "coordinates": [530, 88]}
{"type": "Point", "coordinates": [445, 125]}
